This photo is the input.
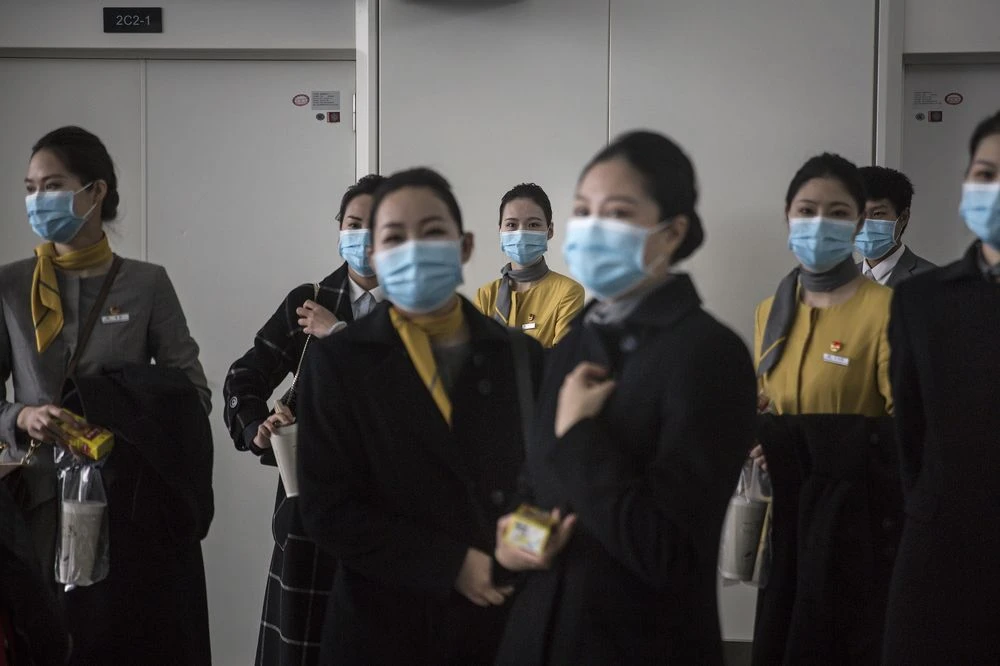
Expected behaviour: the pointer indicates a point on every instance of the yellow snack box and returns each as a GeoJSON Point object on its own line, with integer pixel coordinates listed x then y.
{"type": "Point", "coordinates": [85, 439]}
{"type": "Point", "coordinates": [530, 529]}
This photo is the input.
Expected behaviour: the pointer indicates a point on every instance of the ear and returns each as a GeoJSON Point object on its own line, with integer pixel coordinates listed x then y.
{"type": "Point", "coordinates": [552, 231]}
{"type": "Point", "coordinates": [676, 231]}
{"type": "Point", "coordinates": [468, 245]}
{"type": "Point", "coordinates": [665, 241]}
{"type": "Point", "coordinates": [99, 190]}
{"type": "Point", "coordinates": [904, 221]}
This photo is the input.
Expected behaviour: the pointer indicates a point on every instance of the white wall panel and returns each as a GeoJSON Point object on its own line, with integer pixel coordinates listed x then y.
{"type": "Point", "coordinates": [494, 94]}
{"type": "Point", "coordinates": [243, 190]}
{"type": "Point", "coordinates": [750, 90]}
{"type": "Point", "coordinates": [955, 26]}
{"type": "Point", "coordinates": [102, 96]}
{"type": "Point", "coordinates": [935, 154]}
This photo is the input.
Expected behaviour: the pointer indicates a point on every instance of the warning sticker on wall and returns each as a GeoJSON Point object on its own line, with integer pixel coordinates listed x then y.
{"type": "Point", "coordinates": [326, 100]}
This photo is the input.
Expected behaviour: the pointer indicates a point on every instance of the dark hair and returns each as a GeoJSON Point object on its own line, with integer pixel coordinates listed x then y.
{"type": "Point", "coordinates": [85, 157]}
{"type": "Point", "coordinates": [986, 128]}
{"type": "Point", "coordinates": [833, 166]}
{"type": "Point", "coordinates": [419, 177]}
{"type": "Point", "coordinates": [885, 183]}
{"type": "Point", "coordinates": [367, 185]}
{"type": "Point", "coordinates": [668, 178]}
{"type": "Point", "coordinates": [528, 191]}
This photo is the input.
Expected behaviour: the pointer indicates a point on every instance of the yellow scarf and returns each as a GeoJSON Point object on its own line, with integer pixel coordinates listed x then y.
{"type": "Point", "coordinates": [417, 334]}
{"type": "Point", "coordinates": [46, 304]}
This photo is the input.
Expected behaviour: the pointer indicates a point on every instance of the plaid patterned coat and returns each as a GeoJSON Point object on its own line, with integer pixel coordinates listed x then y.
{"type": "Point", "coordinates": [300, 575]}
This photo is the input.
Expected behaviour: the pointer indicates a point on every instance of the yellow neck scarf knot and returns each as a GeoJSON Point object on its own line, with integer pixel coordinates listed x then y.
{"type": "Point", "coordinates": [46, 303]}
{"type": "Point", "coordinates": [417, 334]}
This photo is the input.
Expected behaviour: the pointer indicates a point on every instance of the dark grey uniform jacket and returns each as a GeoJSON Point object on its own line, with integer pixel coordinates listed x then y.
{"type": "Point", "coordinates": [155, 329]}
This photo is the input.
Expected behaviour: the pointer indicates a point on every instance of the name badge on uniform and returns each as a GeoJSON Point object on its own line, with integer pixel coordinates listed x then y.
{"type": "Point", "coordinates": [837, 360]}
{"type": "Point", "coordinates": [114, 316]}
{"type": "Point", "coordinates": [530, 326]}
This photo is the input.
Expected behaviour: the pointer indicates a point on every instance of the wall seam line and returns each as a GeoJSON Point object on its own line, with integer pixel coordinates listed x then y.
{"type": "Point", "coordinates": [876, 83]}
{"type": "Point", "coordinates": [144, 159]}
{"type": "Point", "coordinates": [609, 71]}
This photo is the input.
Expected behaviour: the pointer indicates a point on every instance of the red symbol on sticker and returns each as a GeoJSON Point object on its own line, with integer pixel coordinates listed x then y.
{"type": "Point", "coordinates": [333, 117]}
{"type": "Point", "coordinates": [953, 99]}
{"type": "Point", "coordinates": [300, 100]}
{"type": "Point", "coordinates": [934, 116]}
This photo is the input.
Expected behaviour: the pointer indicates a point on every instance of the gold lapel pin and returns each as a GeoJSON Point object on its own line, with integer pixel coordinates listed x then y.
{"type": "Point", "coordinates": [114, 310]}
{"type": "Point", "coordinates": [836, 346]}
{"type": "Point", "coordinates": [531, 317]}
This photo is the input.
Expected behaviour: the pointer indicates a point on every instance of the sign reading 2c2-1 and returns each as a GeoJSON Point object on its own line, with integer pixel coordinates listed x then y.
{"type": "Point", "coordinates": [133, 19]}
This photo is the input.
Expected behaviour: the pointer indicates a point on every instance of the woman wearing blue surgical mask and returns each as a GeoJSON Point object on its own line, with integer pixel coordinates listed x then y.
{"type": "Point", "coordinates": [300, 575]}
{"type": "Point", "coordinates": [821, 341]}
{"type": "Point", "coordinates": [136, 322]}
{"type": "Point", "coordinates": [942, 602]}
{"type": "Point", "coordinates": [528, 295]}
{"type": "Point", "coordinates": [645, 414]}
{"type": "Point", "coordinates": [410, 440]}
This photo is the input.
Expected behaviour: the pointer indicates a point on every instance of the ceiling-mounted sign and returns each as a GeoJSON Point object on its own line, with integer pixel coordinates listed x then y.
{"type": "Point", "coordinates": [133, 19]}
{"type": "Point", "coordinates": [953, 99]}
{"type": "Point", "coordinates": [326, 100]}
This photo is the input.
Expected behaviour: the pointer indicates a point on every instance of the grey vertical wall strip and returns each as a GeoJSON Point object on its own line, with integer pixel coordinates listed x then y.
{"type": "Point", "coordinates": [875, 84]}
{"type": "Point", "coordinates": [143, 159]}
{"type": "Point", "coordinates": [609, 70]}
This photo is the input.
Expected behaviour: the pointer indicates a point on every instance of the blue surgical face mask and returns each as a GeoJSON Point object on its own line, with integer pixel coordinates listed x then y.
{"type": "Point", "coordinates": [354, 249]}
{"type": "Point", "coordinates": [820, 243]}
{"type": "Point", "coordinates": [524, 247]}
{"type": "Point", "coordinates": [981, 210]}
{"type": "Point", "coordinates": [876, 238]}
{"type": "Point", "coordinates": [420, 276]}
{"type": "Point", "coordinates": [51, 215]}
{"type": "Point", "coordinates": [605, 255]}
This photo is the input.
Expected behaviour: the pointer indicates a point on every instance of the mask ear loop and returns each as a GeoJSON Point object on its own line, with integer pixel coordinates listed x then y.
{"type": "Point", "coordinates": [651, 269]}
{"type": "Point", "coordinates": [91, 209]}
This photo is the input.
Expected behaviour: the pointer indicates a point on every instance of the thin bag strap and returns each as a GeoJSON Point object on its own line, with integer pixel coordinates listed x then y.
{"type": "Point", "coordinates": [290, 393]}
{"type": "Point", "coordinates": [302, 357]}
{"type": "Point", "coordinates": [95, 312]}
{"type": "Point", "coordinates": [522, 378]}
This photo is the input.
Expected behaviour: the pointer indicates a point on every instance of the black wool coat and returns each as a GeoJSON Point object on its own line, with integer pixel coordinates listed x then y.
{"type": "Point", "coordinates": [649, 479]}
{"type": "Point", "coordinates": [945, 366]}
{"type": "Point", "coordinates": [153, 606]}
{"type": "Point", "coordinates": [398, 497]}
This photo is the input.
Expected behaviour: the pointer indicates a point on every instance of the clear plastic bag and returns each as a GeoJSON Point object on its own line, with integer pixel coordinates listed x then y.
{"type": "Point", "coordinates": [82, 546]}
{"type": "Point", "coordinates": [744, 552]}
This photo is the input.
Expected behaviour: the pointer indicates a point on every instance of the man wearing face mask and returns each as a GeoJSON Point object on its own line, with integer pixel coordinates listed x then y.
{"type": "Point", "coordinates": [886, 259]}
{"type": "Point", "coordinates": [528, 295]}
{"type": "Point", "coordinates": [300, 575]}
